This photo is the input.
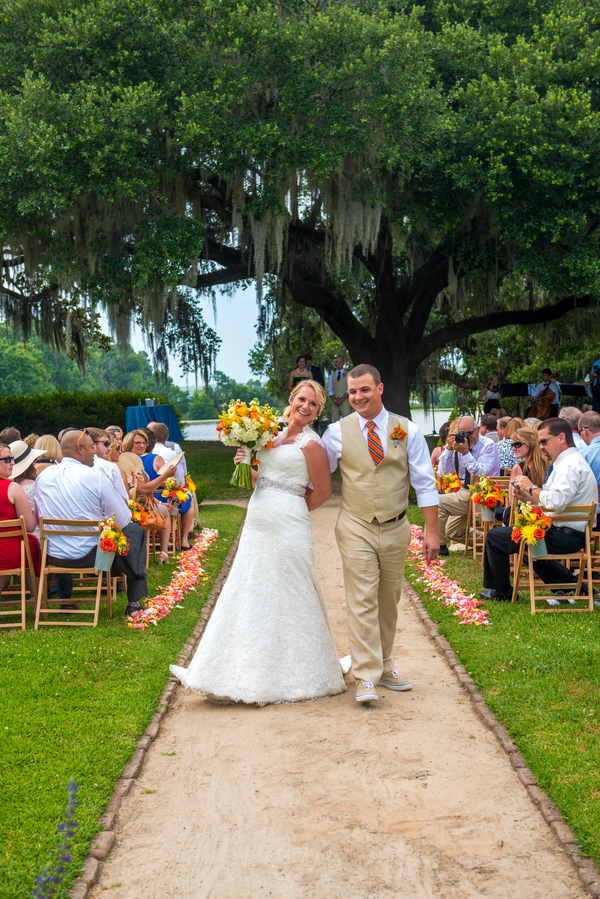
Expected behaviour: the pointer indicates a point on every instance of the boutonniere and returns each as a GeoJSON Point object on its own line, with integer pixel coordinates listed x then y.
{"type": "Point", "coordinates": [397, 434]}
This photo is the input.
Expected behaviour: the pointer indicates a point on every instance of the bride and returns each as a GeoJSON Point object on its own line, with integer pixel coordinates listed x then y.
{"type": "Point", "coordinates": [268, 639]}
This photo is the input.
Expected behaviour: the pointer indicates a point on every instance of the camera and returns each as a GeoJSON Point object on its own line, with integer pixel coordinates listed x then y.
{"type": "Point", "coordinates": [461, 436]}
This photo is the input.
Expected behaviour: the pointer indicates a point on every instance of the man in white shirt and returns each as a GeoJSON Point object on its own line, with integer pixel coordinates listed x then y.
{"type": "Point", "coordinates": [372, 530]}
{"type": "Point", "coordinates": [469, 455]}
{"type": "Point", "coordinates": [488, 427]}
{"type": "Point", "coordinates": [167, 453]}
{"type": "Point", "coordinates": [110, 469]}
{"type": "Point", "coordinates": [572, 414]}
{"type": "Point", "coordinates": [554, 387]}
{"type": "Point", "coordinates": [570, 482]}
{"type": "Point", "coordinates": [75, 490]}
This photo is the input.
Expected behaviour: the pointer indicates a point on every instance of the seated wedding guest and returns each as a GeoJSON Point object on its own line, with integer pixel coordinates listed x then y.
{"type": "Point", "coordinates": [116, 442]}
{"type": "Point", "coordinates": [24, 470]}
{"type": "Point", "coordinates": [75, 490]}
{"type": "Point", "coordinates": [532, 422]}
{"type": "Point", "coordinates": [572, 414]}
{"type": "Point", "coordinates": [116, 430]}
{"type": "Point", "coordinates": [51, 454]}
{"type": "Point", "coordinates": [469, 455]}
{"type": "Point", "coordinates": [437, 450]}
{"type": "Point", "coordinates": [137, 442]}
{"type": "Point", "coordinates": [530, 461]}
{"type": "Point", "coordinates": [101, 442]}
{"type": "Point", "coordinates": [488, 427]}
{"type": "Point", "coordinates": [9, 435]}
{"type": "Point", "coordinates": [30, 439]}
{"type": "Point", "coordinates": [161, 433]}
{"type": "Point", "coordinates": [571, 482]}
{"type": "Point", "coordinates": [14, 504]}
{"type": "Point", "coordinates": [589, 429]}
{"type": "Point", "coordinates": [505, 452]}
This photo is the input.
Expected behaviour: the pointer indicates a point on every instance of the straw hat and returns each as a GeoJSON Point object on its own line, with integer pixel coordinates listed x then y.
{"type": "Point", "coordinates": [24, 456]}
{"type": "Point", "coordinates": [131, 464]}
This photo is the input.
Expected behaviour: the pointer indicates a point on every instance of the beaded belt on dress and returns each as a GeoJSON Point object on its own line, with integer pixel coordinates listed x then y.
{"type": "Point", "coordinates": [285, 486]}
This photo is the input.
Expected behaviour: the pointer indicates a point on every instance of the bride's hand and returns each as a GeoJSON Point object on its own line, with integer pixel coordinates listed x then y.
{"type": "Point", "coordinates": [240, 456]}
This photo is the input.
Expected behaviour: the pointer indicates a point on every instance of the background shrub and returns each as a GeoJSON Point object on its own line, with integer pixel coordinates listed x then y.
{"type": "Point", "coordinates": [49, 413]}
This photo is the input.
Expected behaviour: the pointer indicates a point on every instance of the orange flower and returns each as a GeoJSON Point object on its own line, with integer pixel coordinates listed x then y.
{"type": "Point", "coordinates": [516, 535]}
{"type": "Point", "coordinates": [254, 414]}
{"type": "Point", "coordinates": [269, 445]}
{"type": "Point", "coordinates": [491, 502]}
{"type": "Point", "coordinates": [539, 533]}
{"type": "Point", "coordinates": [108, 546]}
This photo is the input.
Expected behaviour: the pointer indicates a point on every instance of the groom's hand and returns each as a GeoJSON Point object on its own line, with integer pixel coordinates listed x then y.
{"type": "Point", "coordinates": [431, 548]}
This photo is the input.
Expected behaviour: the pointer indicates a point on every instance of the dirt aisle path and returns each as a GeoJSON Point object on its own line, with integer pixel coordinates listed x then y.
{"type": "Point", "coordinates": [331, 800]}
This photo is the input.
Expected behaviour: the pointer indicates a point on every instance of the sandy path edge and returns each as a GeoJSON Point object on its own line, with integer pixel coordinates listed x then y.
{"type": "Point", "coordinates": [586, 868]}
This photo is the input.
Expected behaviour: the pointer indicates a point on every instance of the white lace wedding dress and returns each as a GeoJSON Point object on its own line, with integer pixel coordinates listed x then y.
{"type": "Point", "coordinates": [268, 639]}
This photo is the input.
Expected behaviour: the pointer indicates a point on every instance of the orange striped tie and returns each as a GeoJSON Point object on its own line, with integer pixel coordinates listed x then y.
{"type": "Point", "coordinates": [374, 444]}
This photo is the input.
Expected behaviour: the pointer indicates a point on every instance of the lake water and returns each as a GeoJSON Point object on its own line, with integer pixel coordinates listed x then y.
{"type": "Point", "coordinates": [206, 430]}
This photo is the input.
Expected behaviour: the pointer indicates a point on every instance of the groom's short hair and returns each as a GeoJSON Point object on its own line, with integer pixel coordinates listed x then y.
{"type": "Point", "coordinates": [359, 370]}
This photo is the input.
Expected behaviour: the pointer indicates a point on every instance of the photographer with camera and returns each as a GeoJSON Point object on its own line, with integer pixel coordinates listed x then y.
{"type": "Point", "coordinates": [470, 455]}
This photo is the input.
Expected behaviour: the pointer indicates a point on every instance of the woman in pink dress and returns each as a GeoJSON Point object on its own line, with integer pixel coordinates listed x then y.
{"type": "Point", "coordinates": [14, 504]}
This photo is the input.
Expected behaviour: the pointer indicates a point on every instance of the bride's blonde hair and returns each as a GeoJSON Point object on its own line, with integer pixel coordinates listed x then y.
{"type": "Point", "coordinates": [319, 393]}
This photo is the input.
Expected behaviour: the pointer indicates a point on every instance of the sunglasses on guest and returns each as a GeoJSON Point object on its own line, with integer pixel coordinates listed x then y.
{"type": "Point", "coordinates": [105, 443]}
{"type": "Point", "coordinates": [8, 459]}
{"type": "Point", "coordinates": [516, 444]}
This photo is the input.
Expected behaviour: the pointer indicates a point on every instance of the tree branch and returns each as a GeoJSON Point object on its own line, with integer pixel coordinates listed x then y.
{"type": "Point", "coordinates": [222, 276]}
{"type": "Point", "coordinates": [453, 377]}
{"type": "Point", "coordinates": [480, 323]}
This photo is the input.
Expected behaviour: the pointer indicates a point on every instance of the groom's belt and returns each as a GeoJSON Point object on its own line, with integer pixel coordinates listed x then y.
{"type": "Point", "coordinates": [390, 520]}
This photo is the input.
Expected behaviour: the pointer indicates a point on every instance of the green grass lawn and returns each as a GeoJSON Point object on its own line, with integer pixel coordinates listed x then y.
{"type": "Point", "coordinates": [74, 703]}
{"type": "Point", "coordinates": [540, 675]}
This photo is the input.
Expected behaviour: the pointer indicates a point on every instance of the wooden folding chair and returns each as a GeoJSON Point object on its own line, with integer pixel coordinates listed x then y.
{"type": "Point", "coordinates": [15, 527]}
{"type": "Point", "coordinates": [582, 558]}
{"type": "Point", "coordinates": [479, 543]}
{"type": "Point", "coordinates": [470, 526]}
{"type": "Point", "coordinates": [63, 527]}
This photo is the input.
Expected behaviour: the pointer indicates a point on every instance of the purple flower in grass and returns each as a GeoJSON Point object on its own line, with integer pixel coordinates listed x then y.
{"type": "Point", "coordinates": [54, 873]}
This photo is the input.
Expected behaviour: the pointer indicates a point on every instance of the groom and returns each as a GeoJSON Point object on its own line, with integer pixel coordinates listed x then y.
{"type": "Point", "coordinates": [372, 530]}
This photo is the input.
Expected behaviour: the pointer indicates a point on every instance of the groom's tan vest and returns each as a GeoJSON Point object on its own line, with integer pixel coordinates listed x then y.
{"type": "Point", "coordinates": [373, 491]}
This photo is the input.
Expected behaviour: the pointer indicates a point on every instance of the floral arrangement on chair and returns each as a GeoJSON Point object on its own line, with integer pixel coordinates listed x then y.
{"type": "Point", "coordinates": [530, 525]}
{"type": "Point", "coordinates": [252, 426]}
{"type": "Point", "coordinates": [112, 538]}
{"type": "Point", "coordinates": [138, 512]}
{"type": "Point", "coordinates": [174, 492]}
{"type": "Point", "coordinates": [451, 483]}
{"type": "Point", "coordinates": [487, 493]}
{"type": "Point", "coordinates": [189, 484]}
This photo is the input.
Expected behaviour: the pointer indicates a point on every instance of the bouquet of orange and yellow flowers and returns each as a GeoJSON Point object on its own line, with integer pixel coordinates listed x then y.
{"type": "Point", "coordinates": [531, 524]}
{"type": "Point", "coordinates": [174, 492]}
{"type": "Point", "coordinates": [189, 484]}
{"type": "Point", "coordinates": [138, 513]}
{"type": "Point", "coordinates": [451, 483]}
{"type": "Point", "coordinates": [112, 538]}
{"type": "Point", "coordinates": [487, 493]}
{"type": "Point", "coordinates": [252, 426]}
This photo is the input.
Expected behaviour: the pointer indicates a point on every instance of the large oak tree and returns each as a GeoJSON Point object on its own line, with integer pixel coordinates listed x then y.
{"type": "Point", "coordinates": [414, 177]}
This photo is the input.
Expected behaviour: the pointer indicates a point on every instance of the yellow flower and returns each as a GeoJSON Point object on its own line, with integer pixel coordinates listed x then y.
{"type": "Point", "coordinates": [528, 533]}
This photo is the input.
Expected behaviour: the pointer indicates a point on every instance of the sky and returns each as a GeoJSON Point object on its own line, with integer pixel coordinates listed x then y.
{"type": "Point", "coordinates": [235, 325]}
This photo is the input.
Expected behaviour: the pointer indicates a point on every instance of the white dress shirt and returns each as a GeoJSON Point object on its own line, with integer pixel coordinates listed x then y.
{"type": "Point", "coordinates": [552, 385]}
{"type": "Point", "coordinates": [334, 374]}
{"type": "Point", "coordinates": [112, 471]}
{"type": "Point", "coordinates": [482, 458]}
{"type": "Point", "coordinates": [571, 483]}
{"type": "Point", "coordinates": [166, 454]}
{"type": "Point", "coordinates": [420, 469]}
{"type": "Point", "coordinates": [579, 443]}
{"type": "Point", "coordinates": [74, 490]}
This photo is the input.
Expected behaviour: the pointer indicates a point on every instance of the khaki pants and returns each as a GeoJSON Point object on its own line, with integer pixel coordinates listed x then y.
{"type": "Point", "coordinates": [452, 515]}
{"type": "Point", "coordinates": [338, 412]}
{"type": "Point", "coordinates": [373, 557]}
